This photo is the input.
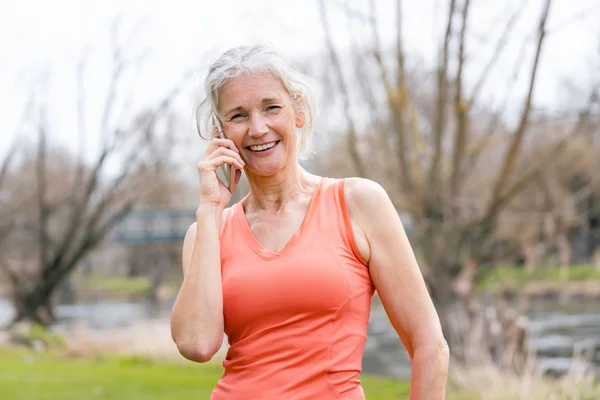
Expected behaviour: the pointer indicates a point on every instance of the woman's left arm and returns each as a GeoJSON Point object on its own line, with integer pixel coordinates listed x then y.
{"type": "Point", "coordinates": [401, 287]}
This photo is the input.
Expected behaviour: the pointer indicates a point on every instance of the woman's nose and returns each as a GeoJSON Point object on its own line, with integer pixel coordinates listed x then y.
{"type": "Point", "coordinates": [258, 126]}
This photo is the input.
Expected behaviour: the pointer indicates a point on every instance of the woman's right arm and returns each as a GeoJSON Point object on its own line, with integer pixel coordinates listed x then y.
{"type": "Point", "coordinates": [197, 318]}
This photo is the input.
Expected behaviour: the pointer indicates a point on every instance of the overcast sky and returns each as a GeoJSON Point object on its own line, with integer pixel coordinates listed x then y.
{"type": "Point", "coordinates": [38, 37]}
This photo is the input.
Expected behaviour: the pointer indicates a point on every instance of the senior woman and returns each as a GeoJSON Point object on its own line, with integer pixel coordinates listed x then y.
{"type": "Point", "coordinates": [288, 272]}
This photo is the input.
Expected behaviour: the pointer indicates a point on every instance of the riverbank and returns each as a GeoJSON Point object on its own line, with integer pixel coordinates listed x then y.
{"type": "Point", "coordinates": [122, 288]}
{"type": "Point", "coordinates": [578, 281]}
{"type": "Point", "coordinates": [111, 288]}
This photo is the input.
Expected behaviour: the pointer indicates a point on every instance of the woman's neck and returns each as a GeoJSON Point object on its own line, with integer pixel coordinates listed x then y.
{"type": "Point", "coordinates": [271, 193]}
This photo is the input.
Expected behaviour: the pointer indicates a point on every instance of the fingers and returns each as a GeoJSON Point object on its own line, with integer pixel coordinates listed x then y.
{"type": "Point", "coordinates": [230, 153]}
{"type": "Point", "coordinates": [221, 151]}
{"type": "Point", "coordinates": [225, 152]}
{"type": "Point", "coordinates": [224, 159]}
{"type": "Point", "coordinates": [214, 163]}
{"type": "Point", "coordinates": [217, 142]}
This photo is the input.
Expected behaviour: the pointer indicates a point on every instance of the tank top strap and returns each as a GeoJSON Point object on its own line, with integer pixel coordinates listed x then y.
{"type": "Point", "coordinates": [334, 214]}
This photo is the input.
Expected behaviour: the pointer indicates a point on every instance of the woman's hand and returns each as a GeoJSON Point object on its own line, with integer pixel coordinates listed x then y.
{"type": "Point", "coordinates": [220, 151]}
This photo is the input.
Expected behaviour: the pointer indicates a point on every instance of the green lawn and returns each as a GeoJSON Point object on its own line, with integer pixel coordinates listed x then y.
{"type": "Point", "coordinates": [518, 278]}
{"type": "Point", "coordinates": [117, 287]}
{"type": "Point", "coordinates": [114, 285]}
{"type": "Point", "coordinates": [25, 375]}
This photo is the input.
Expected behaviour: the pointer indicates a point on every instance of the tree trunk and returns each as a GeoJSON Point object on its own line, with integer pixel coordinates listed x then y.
{"type": "Point", "coordinates": [484, 333]}
{"type": "Point", "coordinates": [66, 292]}
{"type": "Point", "coordinates": [565, 254]}
{"type": "Point", "coordinates": [453, 297]}
{"type": "Point", "coordinates": [478, 331]}
{"type": "Point", "coordinates": [133, 262]}
{"type": "Point", "coordinates": [528, 247]}
{"type": "Point", "coordinates": [35, 305]}
{"type": "Point", "coordinates": [155, 276]}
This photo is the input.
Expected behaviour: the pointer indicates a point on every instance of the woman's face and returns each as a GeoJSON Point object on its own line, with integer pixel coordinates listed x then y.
{"type": "Point", "coordinates": [258, 115]}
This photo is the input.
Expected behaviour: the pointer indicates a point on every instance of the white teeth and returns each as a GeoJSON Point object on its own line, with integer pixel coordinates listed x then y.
{"type": "Point", "coordinates": [261, 147]}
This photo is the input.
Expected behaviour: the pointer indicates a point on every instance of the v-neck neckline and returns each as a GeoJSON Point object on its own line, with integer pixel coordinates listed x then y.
{"type": "Point", "coordinates": [257, 246]}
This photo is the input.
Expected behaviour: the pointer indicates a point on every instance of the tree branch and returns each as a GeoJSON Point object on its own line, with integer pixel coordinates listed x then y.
{"type": "Point", "coordinates": [81, 136]}
{"type": "Point", "coordinates": [91, 238]}
{"type": "Point", "coordinates": [117, 71]}
{"type": "Point", "coordinates": [498, 50]}
{"type": "Point", "coordinates": [12, 151]}
{"type": "Point", "coordinates": [353, 144]}
{"type": "Point", "coordinates": [462, 110]}
{"type": "Point", "coordinates": [377, 52]}
{"type": "Point", "coordinates": [41, 185]}
{"type": "Point", "coordinates": [396, 97]}
{"type": "Point", "coordinates": [542, 162]}
{"type": "Point", "coordinates": [400, 74]}
{"type": "Point", "coordinates": [440, 113]}
{"type": "Point", "coordinates": [398, 103]}
{"type": "Point", "coordinates": [108, 144]}
{"type": "Point", "coordinates": [513, 151]}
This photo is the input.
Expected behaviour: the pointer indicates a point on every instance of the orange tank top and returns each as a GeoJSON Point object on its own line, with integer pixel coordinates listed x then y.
{"type": "Point", "coordinates": [296, 320]}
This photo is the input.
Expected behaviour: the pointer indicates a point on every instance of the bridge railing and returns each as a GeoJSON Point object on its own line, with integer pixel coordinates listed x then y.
{"type": "Point", "coordinates": [153, 225]}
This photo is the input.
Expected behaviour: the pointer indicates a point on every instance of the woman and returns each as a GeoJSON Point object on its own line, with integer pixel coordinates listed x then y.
{"type": "Point", "coordinates": [289, 271]}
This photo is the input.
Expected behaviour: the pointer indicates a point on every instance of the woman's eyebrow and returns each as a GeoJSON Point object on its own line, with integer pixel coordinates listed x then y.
{"type": "Point", "coordinates": [238, 108]}
{"type": "Point", "coordinates": [271, 100]}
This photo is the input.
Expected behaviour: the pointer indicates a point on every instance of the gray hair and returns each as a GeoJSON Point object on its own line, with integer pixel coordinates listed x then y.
{"type": "Point", "coordinates": [250, 59]}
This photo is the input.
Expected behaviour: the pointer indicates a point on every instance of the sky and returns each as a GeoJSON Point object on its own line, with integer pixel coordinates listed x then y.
{"type": "Point", "coordinates": [42, 41]}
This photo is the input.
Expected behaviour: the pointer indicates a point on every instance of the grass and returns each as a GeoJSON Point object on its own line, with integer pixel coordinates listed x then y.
{"type": "Point", "coordinates": [118, 287]}
{"type": "Point", "coordinates": [27, 375]}
{"type": "Point", "coordinates": [109, 285]}
{"type": "Point", "coordinates": [519, 278]}
{"type": "Point", "coordinates": [488, 382]}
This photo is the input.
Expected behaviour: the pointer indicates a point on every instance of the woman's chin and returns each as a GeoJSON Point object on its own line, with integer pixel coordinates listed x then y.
{"type": "Point", "coordinates": [265, 171]}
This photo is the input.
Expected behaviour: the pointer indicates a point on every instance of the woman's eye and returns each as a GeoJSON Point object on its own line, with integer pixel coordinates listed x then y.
{"type": "Point", "coordinates": [236, 116]}
{"type": "Point", "coordinates": [273, 108]}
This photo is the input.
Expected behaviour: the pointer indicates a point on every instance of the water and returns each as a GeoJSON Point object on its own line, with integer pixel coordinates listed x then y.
{"type": "Point", "coordinates": [557, 329]}
{"type": "Point", "coordinates": [98, 315]}
{"type": "Point", "coordinates": [6, 311]}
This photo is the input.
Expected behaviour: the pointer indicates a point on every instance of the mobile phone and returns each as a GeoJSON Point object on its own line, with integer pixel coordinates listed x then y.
{"type": "Point", "coordinates": [226, 173]}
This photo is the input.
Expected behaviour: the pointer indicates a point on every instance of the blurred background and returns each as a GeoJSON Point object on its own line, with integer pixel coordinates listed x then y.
{"type": "Point", "coordinates": [480, 118]}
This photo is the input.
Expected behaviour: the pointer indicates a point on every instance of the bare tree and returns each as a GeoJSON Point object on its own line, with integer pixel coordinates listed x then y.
{"type": "Point", "coordinates": [454, 170]}
{"type": "Point", "coordinates": [540, 221]}
{"type": "Point", "coordinates": [6, 208]}
{"type": "Point", "coordinates": [68, 205]}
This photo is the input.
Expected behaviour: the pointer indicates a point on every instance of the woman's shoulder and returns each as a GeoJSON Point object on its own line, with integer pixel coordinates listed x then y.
{"type": "Point", "coordinates": [364, 193]}
{"type": "Point", "coordinates": [364, 197]}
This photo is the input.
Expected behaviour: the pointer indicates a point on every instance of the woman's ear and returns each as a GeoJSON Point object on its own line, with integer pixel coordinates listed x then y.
{"type": "Point", "coordinates": [299, 107]}
{"type": "Point", "coordinates": [300, 120]}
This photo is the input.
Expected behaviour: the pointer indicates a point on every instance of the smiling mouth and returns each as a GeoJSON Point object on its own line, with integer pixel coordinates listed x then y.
{"type": "Point", "coordinates": [262, 147]}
